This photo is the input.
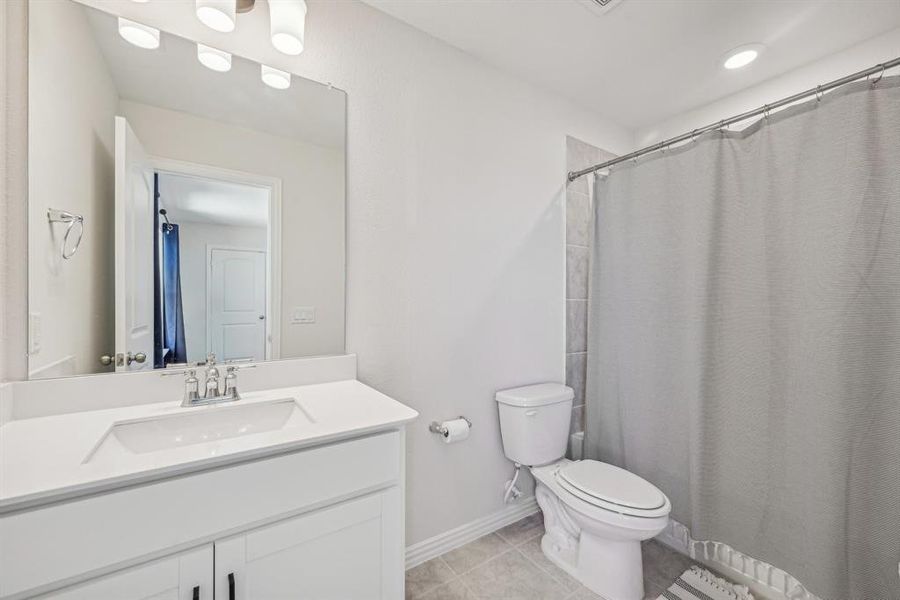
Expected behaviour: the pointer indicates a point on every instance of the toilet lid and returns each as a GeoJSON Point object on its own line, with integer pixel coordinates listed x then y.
{"type": "Point", "coordinates": [610, 484]}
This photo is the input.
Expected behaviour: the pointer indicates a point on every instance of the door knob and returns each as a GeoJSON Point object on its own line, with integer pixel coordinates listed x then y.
{"type": "Point", "coordinates": [106, 360]}
{"type": "Point", "coordinates": [140, 357]}
{"type": "Point", "coordinates": [261, 317]}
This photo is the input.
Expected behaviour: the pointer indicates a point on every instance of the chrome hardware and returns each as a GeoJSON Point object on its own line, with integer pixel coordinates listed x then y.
{"type": "Point", "coordinates": [139, 358]}
{"type": "Point", "coordinates": [106, 360]}
{"type": "Point", "coordinates": [231, 391]}
{"type": "Point", "coordinates": [212, 393]}
{"type": "Point", "coordinates": [435, 427]}
{"type": "Point", "coordinates": [191, 388]}
{"type": "Point", "coordinates": [72, 220]}
{"type": "Point", "coordinates": [212, 377]}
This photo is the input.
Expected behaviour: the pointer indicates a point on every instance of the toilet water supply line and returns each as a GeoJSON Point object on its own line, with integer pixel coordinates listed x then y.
{"type": "Point", "coordinates": [511, 490]}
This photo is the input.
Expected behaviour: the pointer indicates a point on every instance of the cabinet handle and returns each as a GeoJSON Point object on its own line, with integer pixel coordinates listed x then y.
{"type": "Point", "coordinates": [196, 595]}
{"type": "Point", "coordinates": [231, 586]}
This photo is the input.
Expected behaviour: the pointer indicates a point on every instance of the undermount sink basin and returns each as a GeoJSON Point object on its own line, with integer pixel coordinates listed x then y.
{"type": "Point", "coordinates": [198, 426]}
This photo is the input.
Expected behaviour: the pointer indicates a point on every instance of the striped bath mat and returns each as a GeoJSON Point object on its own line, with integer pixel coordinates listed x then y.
{"type": "Point", "coordinates": [700, 584]}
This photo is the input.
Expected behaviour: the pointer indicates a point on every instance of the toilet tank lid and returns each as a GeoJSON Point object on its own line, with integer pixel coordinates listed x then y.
{"type": "Point", "coordinates": [536, 395]}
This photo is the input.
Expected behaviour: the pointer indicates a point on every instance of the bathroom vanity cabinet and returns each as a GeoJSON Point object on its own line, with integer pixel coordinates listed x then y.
{"type": "Point", "coordinates": [315, 511]}
{"type": "Point", "coordinates": [343, 551]}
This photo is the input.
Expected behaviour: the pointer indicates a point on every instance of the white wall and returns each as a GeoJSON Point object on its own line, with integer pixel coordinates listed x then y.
{"type": "Point", "coordinates": [455, 229]}
{"type": "Point", "coordinates": [194, 237]}
{"type": "Point", "coordinates": [312, 210]}
{"type": "Point", "coordinates": [71, 161]}
{"type": "Point", "coordinates": [856, 58]}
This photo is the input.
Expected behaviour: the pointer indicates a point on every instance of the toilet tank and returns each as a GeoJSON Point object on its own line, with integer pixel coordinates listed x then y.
{"type": "Point", "coordinates": [534, 422]}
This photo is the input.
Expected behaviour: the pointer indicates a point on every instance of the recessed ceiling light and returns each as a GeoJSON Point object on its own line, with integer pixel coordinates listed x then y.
{"type": "Point", "coordinates": [742, 56]}
{"type": "Point", "coordinates": [217, 14]}
{"type": "Point", "coordinates": [139, 34]}
{"type": "Point", "coordinates": [280, 80]}
{"type": "Point", "coordinates": [213, 58]}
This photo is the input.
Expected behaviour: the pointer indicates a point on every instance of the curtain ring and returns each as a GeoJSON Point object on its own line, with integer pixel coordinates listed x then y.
{"type": "Point", "coordinates": [766, 112]}
{"type": "Point", "coordinates": [693, 136]}
{"type": "Point", "coordinates": [880, 75]}
{"type": "Point", "coordinates": [819, 94]}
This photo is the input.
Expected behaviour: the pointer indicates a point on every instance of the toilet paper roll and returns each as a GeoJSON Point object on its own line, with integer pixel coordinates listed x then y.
{"type": "Point", "coordinates": [455, 431]}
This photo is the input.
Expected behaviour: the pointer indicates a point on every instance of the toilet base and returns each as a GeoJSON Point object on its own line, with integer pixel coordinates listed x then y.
{"type": "Point", "coordinates": [612, 569]}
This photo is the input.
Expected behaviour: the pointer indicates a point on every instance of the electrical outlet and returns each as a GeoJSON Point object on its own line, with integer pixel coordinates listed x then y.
{"type": "Point", "coordinates": [34, 333]}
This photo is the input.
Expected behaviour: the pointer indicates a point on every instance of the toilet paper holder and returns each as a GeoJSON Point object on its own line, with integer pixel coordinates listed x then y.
{"type": "Point", "coordinates": [435, 427]}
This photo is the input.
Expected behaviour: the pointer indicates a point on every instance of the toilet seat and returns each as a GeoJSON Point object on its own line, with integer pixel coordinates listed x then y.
{"type": "Point", "coordinates": [611, 488]}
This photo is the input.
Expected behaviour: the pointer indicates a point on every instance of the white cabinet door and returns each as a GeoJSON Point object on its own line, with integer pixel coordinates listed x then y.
{"type": "Point", "coordinates": [351, 551]}
{"type": "Point", "coordinates": [185, 576]}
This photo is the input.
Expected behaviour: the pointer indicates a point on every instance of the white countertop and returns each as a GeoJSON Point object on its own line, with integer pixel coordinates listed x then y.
{"type": "Point", "coordinates": [42, 459]}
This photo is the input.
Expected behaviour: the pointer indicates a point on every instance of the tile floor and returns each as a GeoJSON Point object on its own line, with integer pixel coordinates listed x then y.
{"type": "Point", "coordinates": [510, 565]}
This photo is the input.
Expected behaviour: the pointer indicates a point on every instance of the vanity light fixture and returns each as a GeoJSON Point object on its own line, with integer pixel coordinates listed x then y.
{"type": "Point", "coordinates": [217, 14]}
{"type": "Point", "coordinates": [280, 80]}
{"type": "Point", "coordinates": [213, 58]}
{"type": "Point", "coordinates": [287, 21]}
{"type": "Point", "coordinates": [742, 56]}
{"type": "Point", "coordinates": [142, 36]}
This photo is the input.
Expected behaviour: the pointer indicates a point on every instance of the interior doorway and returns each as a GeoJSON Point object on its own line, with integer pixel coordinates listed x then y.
{"type": "Point", "coordinates": [217, 261]}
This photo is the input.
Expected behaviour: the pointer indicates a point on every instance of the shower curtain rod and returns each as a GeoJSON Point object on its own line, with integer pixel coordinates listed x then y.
{"type": "Point", "coordinates": [764, 109]}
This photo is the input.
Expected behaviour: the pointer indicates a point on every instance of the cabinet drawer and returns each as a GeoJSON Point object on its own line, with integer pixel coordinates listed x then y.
{"type": "Point", "coordinates": [74, 540]}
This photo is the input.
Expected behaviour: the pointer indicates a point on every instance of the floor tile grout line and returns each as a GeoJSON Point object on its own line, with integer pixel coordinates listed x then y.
{"type": "Point", "coordinates": [543, 570]}
{"type": "Point", "coordinates": [469, 589]}
{"type": "Point", "coordinates": [509, 548]}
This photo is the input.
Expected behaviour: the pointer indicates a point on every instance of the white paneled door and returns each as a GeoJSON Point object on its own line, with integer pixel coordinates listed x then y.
{"type": "Point", "coordinates": [236, 304]}
{"type": "Point", "coordinates": [134, 205]}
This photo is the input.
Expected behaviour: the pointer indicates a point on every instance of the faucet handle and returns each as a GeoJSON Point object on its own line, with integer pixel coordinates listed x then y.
{"type": "Point", "coordinates": [231, 383]}
{"type": "Point", "coordinates": [191, 388]}
{"type": "Point", "coordinates": [211, 358]}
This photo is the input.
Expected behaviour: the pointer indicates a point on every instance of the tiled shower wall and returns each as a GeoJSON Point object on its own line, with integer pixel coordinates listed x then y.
{"type": "Point", "coordinates": [579, 225]}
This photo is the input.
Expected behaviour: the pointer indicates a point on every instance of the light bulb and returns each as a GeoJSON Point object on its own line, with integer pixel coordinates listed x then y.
{"type": "Point", "coordinates": [217, 14]}
{"type": "Point", "coordinates": [142, 36]}
{"type": "Point", "coordinates": [280, 80]}
{"type": "Point", "coordinates": [287, 20]}
{"type": "Point", "coordinates": [213, 58]}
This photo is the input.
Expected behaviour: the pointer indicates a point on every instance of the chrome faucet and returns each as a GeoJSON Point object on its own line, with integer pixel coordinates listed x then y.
{"type": "Point", "coordinates": [211, 392]}
{"type": "Point", "coordinates": [212, 378]}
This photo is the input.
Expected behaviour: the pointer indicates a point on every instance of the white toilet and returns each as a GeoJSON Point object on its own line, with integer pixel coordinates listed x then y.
{"type": "Point", "coordinates": [595, 514]}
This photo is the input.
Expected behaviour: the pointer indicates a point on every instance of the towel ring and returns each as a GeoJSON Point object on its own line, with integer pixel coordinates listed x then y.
{"type": "Point", "coordinates": [61, 216]}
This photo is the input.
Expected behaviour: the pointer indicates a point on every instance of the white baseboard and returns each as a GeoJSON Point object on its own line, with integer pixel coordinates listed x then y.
{"type": "Point", "coordinates": [764, 580]}
{"type": "Point", "coordinates": [450, 540]}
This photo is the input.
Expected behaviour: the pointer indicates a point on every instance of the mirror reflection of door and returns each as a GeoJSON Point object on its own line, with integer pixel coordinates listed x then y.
{"type": "Point", "coordinates": [134, 251]}
{"type": "Point", "coordinates": [236, 304]}
{"type": "Point", "coordinates": [212, 268]}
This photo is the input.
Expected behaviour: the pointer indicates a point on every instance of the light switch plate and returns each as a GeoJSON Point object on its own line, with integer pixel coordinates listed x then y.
{"type": "Point", "coordinates": [303, 315]}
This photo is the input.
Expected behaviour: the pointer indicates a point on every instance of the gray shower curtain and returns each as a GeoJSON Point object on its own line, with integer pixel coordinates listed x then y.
{"type": "Point", "coordinates": [744, 336]}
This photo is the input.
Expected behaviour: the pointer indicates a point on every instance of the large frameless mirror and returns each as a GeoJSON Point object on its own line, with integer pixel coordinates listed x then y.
{"type": "Point", "coordinates": [182, 201]}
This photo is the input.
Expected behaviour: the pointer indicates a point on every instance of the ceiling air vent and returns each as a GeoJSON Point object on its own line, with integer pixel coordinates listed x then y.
{"type": "Point", "coordinates": [599, 7]}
